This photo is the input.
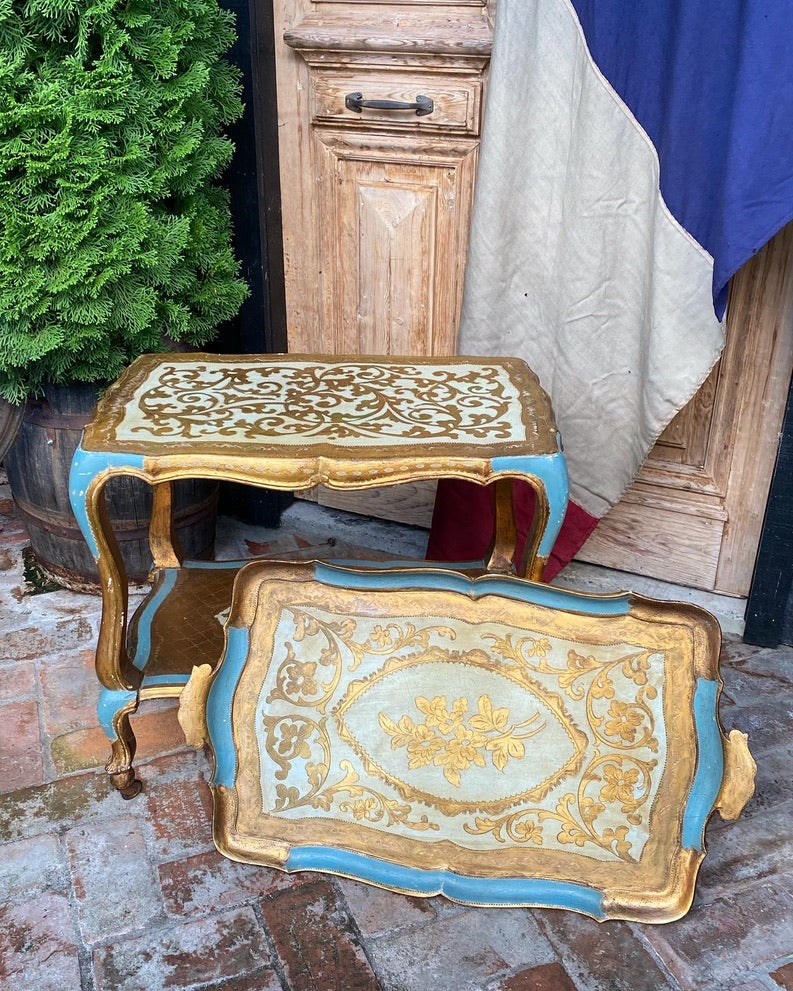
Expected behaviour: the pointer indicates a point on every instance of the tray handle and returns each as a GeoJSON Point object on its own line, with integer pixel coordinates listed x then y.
{"type": "Point", "coordinates": [192, 713]}
{"type": "Point", "coordinates": [737, 785]}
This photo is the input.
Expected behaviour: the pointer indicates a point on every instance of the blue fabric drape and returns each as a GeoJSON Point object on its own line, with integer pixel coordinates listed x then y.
{"type": "Point", "coordinates": [712, 85]}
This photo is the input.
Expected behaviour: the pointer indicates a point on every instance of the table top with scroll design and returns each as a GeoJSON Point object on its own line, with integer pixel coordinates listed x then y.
{"type": "Point", "coordinates": [288, 406]}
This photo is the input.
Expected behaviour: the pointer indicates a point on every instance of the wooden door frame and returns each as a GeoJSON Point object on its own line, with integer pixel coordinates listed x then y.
{"type": "Point", "coordinates": [768, 614]}
{"type": "Point", "coordinates": [254, 186]}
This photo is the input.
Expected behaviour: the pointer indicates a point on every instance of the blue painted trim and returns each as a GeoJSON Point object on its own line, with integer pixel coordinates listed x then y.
{"type": "Point", "coordinates": [86, 465]}
{"type": "Point", "coordinates": [551, 469]}
{"type": "Point", "coordinates": [165, 679]}
{"type": "Point", "coordinates": [710, 765]}
{"type": "Point", "coordinates": [344, 562]}
{"type": "Point", "coordinates": [221, 695]}
{"type": "Point", "coordinates": [110, 701]}
{"type": "Point", "coordinates": [143, 646]}
{"type": "Point", "coordinates": [513, 588]}
{"type": "Point", "coordinates": [472, 890]}
{"type": "Point", "coordinates": [531, 464]}
{"type": "Point", "coordinates": [217, 565]}
{"type": "Point", "coordinates": [347, 562]}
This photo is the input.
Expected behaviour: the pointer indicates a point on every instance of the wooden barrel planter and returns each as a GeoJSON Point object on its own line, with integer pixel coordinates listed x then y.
{"type": "Point", "coordinates": [38, 465]}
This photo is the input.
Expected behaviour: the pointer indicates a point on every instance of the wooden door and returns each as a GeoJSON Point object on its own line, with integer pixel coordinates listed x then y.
{"type": "Point", "coordinates": [393, 221]}
{"type": "Point", "coordinates": [376, 202]}
{"type": "Point", "coordinates": [695, 513]}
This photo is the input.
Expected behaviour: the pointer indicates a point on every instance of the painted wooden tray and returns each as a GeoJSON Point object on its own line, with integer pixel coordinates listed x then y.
{"type": "Point", "coordinates": [489, 739]}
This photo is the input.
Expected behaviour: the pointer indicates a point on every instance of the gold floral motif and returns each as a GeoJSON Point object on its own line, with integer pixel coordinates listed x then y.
{"type": "Point", "coordinates": [453, 746]}
{"type": "Point", "coordinates": [292, 742]}
{"type": "Point", "coordinates": [619, 780]}
{"type": "Point", "coordinates": [623, 721]}
{"type": "Point", "coordinates": [606, 809]}
{"type": "Point", "coordinates": [447, 740]}
{"type": "Point", "coordinates": [625, 724]}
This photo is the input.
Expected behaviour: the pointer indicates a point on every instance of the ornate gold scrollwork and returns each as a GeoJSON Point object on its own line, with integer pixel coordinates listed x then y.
{"type": "Point", "coordinates": [295, 741]}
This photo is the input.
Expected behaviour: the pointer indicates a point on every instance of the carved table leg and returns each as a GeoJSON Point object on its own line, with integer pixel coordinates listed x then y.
{"type": "Point", "coordinates": [115, 708]}
{"type": "Point", "coordinates": [501, 554]}
{"type": "Point", "coordinates": [163, 541]}
{"type": "Point", "coordinates": [552, 490]}
{"type": "Point", "coordinates": [118, 698]}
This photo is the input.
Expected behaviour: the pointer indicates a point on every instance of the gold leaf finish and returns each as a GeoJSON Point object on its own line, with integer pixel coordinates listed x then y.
{"type": "Point", "coordinates": [192, 706]}
{"type": "Point", "coordinates": [739, 775]}
{"type": "Point", "coordinates": [550, 738]}
{"type": "Point", "coordinates": [286, 406]}
{"type": "Point", "coordinates": [474, 734]}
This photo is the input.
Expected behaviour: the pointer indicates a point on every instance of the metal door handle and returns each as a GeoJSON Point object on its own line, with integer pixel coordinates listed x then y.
{"type": "Point", "coordinates": [355, 101]}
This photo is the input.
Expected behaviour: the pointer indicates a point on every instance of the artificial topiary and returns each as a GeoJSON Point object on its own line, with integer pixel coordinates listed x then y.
{"type": "Point", "coordinates": [113, 237]}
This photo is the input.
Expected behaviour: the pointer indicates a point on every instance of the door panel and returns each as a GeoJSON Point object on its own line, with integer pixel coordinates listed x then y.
{"type": "Point", "coordinates": [392, 239]}
{"type": "Point", "coordinates": [695, 513]}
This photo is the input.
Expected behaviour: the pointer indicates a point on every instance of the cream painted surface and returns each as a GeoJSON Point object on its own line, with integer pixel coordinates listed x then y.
{"type": "Point", "coordinates": [465, 723]}
{"type": "Point", "coordinates": [293, 403]}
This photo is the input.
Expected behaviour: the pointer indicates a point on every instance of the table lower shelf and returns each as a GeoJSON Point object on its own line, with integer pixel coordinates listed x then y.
{"type": "Point", "coordinates": [179, 624]}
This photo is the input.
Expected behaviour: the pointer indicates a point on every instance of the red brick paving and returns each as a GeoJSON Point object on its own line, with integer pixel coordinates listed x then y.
{"type": "Point", "coordinates": [38, 945]}
{"type": "Point", "coordinates": [315, 945]}
{"type": "Point", "coordinates": [30, 642]}
{"type": "Point", "coordinates": [156, 732]}
{"type": "Point", "coordinates": [115, 885]}
{"type": "Point", "coordinates": [21, 761]}
{"type": "Point", "coordinates": [69, 691]}
{"type": "Point", "coordinates": [784, 976]}
{"type": "Point", "coordinates": [98, 894]}
{"type": "Point", "coordinates": [547, 977]}
{"type": "Point", "coordinates": [754, 926]}
{"type": "Point", "coordinates": [224, 946]}
{"type": "Point", "coordinates": [181, 816]}
{"type": "Point", "coordinates": [207, 881]}
{"type": "Point", "coordinates": [17, 680]}
{"type": "Point", "coordinates": [603, 956]}
{"type": "Point", "coordinates": [31, 866]}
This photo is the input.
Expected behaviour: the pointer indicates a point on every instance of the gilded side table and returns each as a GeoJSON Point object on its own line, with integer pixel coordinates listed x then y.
{"type": "Point", "coordinates": [288, 422]}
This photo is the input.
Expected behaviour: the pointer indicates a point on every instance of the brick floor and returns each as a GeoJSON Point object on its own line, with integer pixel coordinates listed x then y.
{"type": "Point", "coordinates": [546, 977]}
{"type": "Point", "coordinates": [39, 945]}
{"type": "Point", "coordinates": [99, 894]}
{"type": "Point", "coordinates": [207, 881]}
{"type": "Point", "coordinates": [606, 956]}
{"type": "Point", "coordinates": [784, 976]}
{"type": "Point", "coordinates": [189, 954]}
{"type": "Point", "coordinates": [314, 938]}
{"type": "Point", "coordinates": [21, 760]}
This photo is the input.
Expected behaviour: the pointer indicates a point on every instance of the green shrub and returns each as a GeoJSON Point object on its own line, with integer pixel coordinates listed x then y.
{"type": "Point", "coordinates": [113, 237]}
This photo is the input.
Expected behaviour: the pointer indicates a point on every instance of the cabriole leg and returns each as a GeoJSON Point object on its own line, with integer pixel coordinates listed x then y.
{"type": "Point", "coordinates": [115, 708]}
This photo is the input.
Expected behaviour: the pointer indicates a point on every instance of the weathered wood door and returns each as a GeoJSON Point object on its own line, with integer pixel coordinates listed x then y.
{"type": "Point", "coordinates": [376, 191]}
{"type": "Point", "coordinates": [376, 199]}
{"type": "Point", "coordinates": [695, 513]}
